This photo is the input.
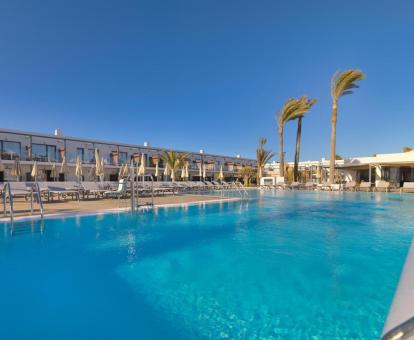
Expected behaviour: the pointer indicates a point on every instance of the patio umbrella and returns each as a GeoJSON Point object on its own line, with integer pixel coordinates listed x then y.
{"type": "Point", "coordinates": [186, 173]}
{"type": "Point", "coordinates": [125, 171]}
{"type": "Point", "coordinates": [53, 173]}
{"type": "Point", "coordinates": [137, 168]}
{"type": "Point", "coordinates": [16, 170]}
{"type": "Point", "coordinates": [221, 175]}
{"type": "Point", "coordinates": [204, 171]}
{"type": "Point", "coordinates": [200, 171]}
{"type": "Point", "coordinates": [98, 165]}
{"type": "Point", "coordinates": [183, 172]}
{"type": "Point", "coordinates": [141, 170]}
{"type": "Point", "coordinates": [78, 169]}
{"type": "Point", "coordinates": [103, 168]}
{"type": "Point", "coordinates": [121, 171]}
{"type": "Point", "coordinates": [63, 165]}
{"type": "Point", "coordinates": [1, 165]}
{"type": "Point", "coordinates": [156, 170]}
{"type": "Point", "coordinates": [166, 170]}
{"type": "Point", "coordinates": [35, 171]}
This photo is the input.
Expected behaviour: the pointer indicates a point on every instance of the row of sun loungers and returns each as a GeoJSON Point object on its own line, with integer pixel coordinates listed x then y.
{"type": "Point", "coordinates": [86, 190]}
{"type": "Point", "coordinates": [381, 186]}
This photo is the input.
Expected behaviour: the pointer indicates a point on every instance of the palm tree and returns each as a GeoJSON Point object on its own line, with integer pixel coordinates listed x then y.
{"type": "Point", "coordinates": [341, 84]}
{"type": "Point", "coordinates": [305, 105]}
{"type": "Point", "coordinates": [262, 157]}
{"type": "Point", "coordinates": [290, 110]}
{"type": "Point", "coordinates": [247, 173]}
{"type": "Point", "coordinates": [174, 160]}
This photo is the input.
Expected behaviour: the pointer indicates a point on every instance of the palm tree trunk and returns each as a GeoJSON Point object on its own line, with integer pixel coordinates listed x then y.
{"type": "Point", "coordinates": [259, 174]}
{"type": "Point", "coordinates": [281, 160]}
{"type": "Point", "coordinates": [297, 151]}
{"type": "Point", "coordinates": [333, 143]}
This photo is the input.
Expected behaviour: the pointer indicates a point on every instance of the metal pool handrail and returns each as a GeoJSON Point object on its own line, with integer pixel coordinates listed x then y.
{"type": "Point", "coordinates": [39, 198]}
{"type": "Point", "coordinates": [400, 319]}
{"type": "Point", "coordinates": [7, 191]}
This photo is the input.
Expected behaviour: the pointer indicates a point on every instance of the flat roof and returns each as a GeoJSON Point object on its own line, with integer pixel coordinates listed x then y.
{"type": "Point", "coordinates": [91, 140]}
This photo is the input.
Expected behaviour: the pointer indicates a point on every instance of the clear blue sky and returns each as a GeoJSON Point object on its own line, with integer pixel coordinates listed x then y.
{"type": "Point", "coordinates": [208, 74]}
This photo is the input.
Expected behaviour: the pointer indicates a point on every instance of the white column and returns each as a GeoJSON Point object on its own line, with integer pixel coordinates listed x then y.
{"type": "Point", "coordinates": [378, 174]}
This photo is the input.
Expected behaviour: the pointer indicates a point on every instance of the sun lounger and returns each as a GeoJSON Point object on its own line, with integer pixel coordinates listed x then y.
{"type": "Point", "coordinates": [200, 185]}
{"type": "Point", "coordinates": [364, 186]}
{"type": "Point", "coordinates": [295, 186]}
{"type": "Point", "coordinates": [195, 186]}
{"type": "Point", "coordinates": [93, 188]}
{"type": "Point", "coordinates": [210, 185]}
{"type": "Point", "coordinates": [324, 186]}
{"type": "Point", "coordinates": [61, 189]}
{"type": "Point", "coordinates": [350, 186]}
{"type": "Point", "coordinates": [121, 191]}
{"type": "Point", "coordinates": [382, 186]}
{"type": "Point", "coordinates": [107, 185]}
{"type": "Point", "coordinates": [279, 184]}
{"type": "Point", "coordinates": [330, 187]}
{"type": "Point", "coordinates": [218, 185]}
{"type": "Point", "coordinates": [336, 187]}
{"type": "Point", "coordinates": [310, 186]}
{"type": "Point", "coordinates": [185, 186]}
{"type": "Point", "coordinates": [20, 189]}
{"type": "Point", "coordinates": [237, 185]}
{"type": "Point", "coordinates": [225, 184]}
{"type": "Point", "coordinates": [163, 188]}
{"type": "Point", "coordinates": [407, 187]}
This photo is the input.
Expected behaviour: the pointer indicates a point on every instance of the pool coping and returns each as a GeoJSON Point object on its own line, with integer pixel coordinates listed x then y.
{"type": "Point", "coordinates": [114, 210]}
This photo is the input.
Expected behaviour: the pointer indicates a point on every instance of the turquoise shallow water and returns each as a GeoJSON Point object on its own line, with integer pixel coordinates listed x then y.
{"type": "Point", "coordinates": [291, 265]}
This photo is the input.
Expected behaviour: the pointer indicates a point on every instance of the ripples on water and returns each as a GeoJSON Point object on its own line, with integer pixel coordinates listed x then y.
{"type": "Point", "coordinates": [283, 265]}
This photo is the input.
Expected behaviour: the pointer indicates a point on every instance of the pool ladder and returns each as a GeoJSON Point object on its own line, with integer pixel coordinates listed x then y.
{"type": "Point", "coordinates": [8, 198]}
{"type": "Point", "coordinates": [7, 194]}
{"type": "Point", "coordinates": [244, 195]}
{"type": "Point", "coordinates": [135, 190]}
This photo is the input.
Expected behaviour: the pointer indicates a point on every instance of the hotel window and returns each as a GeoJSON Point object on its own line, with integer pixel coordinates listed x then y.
{"type": "Point", "coordinates": [39, 152]}
{"type": "Point", "coordinates": [123, 157]}
{"type": "Point", "coordinates": [80, 152]}
{"type": "Point", "coordinates": [10, 150]}
{"type": "Point", "coordinates": [43, 153]}
{"type": "Point", "coordinates": [89, 156]}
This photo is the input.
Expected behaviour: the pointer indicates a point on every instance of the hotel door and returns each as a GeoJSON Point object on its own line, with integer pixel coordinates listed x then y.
{"type": "Point", "coordinates": [48, 176]}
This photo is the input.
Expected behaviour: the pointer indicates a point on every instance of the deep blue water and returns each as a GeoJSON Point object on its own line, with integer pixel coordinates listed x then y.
{"type": "Point", "coordinates": [285, 265]}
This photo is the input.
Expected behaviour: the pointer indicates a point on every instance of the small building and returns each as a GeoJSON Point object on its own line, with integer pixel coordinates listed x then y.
{"type": "Point", "coordinates": [395, 168]}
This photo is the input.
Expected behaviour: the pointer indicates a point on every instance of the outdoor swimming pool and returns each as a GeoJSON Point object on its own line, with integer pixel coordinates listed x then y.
{"type": "Point", "coordinates": [282, 265]}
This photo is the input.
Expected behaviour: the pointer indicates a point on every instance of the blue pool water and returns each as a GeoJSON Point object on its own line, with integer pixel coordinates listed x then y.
{"type": "Point", "coordinates": [285, 265]}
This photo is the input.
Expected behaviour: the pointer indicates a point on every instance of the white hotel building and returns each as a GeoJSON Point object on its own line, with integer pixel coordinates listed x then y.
{"type": "Point", "coordinates": [396, 168]}
{"type": "Point", "coordinates": [49, 149]}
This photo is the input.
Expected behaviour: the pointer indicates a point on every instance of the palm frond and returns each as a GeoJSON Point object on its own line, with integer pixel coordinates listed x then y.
{"type": "Point", "coordinates": [295, 108]}
{"type": "Point", "coordinates": [262, 142]}
{"type": "Point", "coordinates": [343, 83]}
{"type": "Point", "coordinates": [263, 157]}
{"type": "Point", "coordinates": [174, 160]}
